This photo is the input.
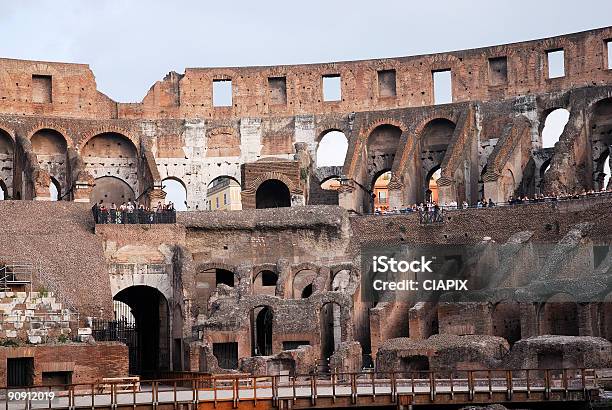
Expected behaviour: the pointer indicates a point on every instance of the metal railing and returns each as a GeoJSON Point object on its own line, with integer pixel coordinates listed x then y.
{"type": "Point", "coordinates": [193, 388]}
{"type": "Point", "coordinates": [561, 199]}
{"type": "Point", "coordinates": [138, 216]}
{"type": "Point", "coordinates": [12, 274]}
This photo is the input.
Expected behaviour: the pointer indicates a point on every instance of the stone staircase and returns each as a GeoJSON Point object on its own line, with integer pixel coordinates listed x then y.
{"type": "Point", "coordinates": [34, 317]}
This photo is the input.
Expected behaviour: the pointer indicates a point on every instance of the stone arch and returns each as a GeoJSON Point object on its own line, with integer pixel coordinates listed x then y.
{"type": "Point", "coordinates": [176, 192]}
{"type": "Point", "coordinates": [224, 192]}
{"type": "Point", "coordinates": [111, 154]}
{"type": "Point", "coordinates": [52, 127]}
{"type": "Point", "coordinates": [7, 152]}
{"type": "Point", "coordinates": [51, 149]}
{"type": "Point", "coordinates": [86, 137]}
{"type": "Point", "coordinates": [111, 189]}
{"type": "Point", "coordinates": [264, 282]}
{"type": "Point", "coordinates": [360, 143]}
{"type": "Point", "coordinates": [115, 145]}
{"type": "Point", "coordinates": [262, 330]}
{"type": "Point", "coordinates": [550, 129]}
{"type": "Point", "coordinates": [340, 280]}
{"type": "Point", "coordinates": [48, 141]}
{"type": "Point", "coordinates": [325, 142]}
{"type": "Point", "coordinates": [301, 279]}
{"type": "Point", "coordinates": [222, 272]}
{"type": "Point", "coordinates": [559, 316]}
{"type": "Point", "coordinates": [272, 193]}
{"type": "Point", "coordinates": [271, 175]}
{"type": "Point", "coordinates": [151, 311]}
{"type": "Point", "coordinates": [601, 141]}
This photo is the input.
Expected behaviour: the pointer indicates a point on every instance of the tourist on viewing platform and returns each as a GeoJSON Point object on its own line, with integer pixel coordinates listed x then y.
{"type": "Point", "coordinates": [491, 204]}
{"type": "Point", "coordinates": [465, 205]}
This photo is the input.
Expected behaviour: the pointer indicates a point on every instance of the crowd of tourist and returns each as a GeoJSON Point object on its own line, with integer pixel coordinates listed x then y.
{"type": "Point", "coordinates": [131, 213]}
{"type": "Point", "coordinates": [432, 211]}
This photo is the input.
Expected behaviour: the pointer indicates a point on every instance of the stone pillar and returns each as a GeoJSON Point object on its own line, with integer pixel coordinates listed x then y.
{"type": "Point", "coordinates": [585, 320]}
{"type": "Point", "coordinates": [82, 191]}
{"type": "Point", "coordinates": [154, 196]}
{"type": "Point", "coordinates": [529, 320]}
{"type": "Point", "coordinates": [446, 190]}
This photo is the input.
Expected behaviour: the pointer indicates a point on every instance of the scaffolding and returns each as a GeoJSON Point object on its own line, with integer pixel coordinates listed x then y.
{"type": "Point", "coordinates": [14, 275]}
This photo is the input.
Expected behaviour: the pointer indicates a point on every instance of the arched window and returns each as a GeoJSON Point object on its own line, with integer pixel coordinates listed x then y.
{"type": "Point", "coordinates": [176, 193]}
{"type": "Point", "coordinates": [224, 193]}
{"type": "Point", "coordinates": [332, 149]}
{"type": "Point", "coordinates": [553, 127]}
{"type": "Point", "coordinates": [381, 191]}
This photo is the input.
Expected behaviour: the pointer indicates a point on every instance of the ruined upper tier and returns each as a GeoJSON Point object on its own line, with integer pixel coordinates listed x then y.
{"type": "Point", "coordinates": [490, 73]}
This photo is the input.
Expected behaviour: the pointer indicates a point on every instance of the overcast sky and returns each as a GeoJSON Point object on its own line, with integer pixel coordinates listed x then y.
{"type": "Point", "coordinates": [130, 44]}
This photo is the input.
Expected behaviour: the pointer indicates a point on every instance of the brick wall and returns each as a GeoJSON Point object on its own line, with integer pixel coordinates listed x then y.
{"type": "Point", "coordinates": [88, 363]}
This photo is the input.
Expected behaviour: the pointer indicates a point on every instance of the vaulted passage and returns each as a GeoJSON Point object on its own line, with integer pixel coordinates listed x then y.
{"type": "Point", "coordinates": [272, 194]}
{"type": "Point", "coordinates": [601, 140]}
{"type": "Point", "coordinates": [149, 348]}
{"type": "Point", "coordinates": [111, 190]}
{"type": "Point", "coordinates": [261, 326]}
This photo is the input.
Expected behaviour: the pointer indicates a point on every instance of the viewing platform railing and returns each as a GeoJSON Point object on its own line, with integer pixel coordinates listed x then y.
{"type": "Point", "coordinates": [138, 216]}
{"type": "Point", "coordinates": [322, 389]}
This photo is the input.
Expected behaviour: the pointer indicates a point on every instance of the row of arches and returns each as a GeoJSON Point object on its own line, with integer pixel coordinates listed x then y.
{"type": "Point", "coordinates": [265, 281]}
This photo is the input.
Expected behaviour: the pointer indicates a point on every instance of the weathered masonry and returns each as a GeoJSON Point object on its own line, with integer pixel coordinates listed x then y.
{"type": "Point", "coordinates": [279, 291]}
{"type": "Point", "coordinates": [61, 138]}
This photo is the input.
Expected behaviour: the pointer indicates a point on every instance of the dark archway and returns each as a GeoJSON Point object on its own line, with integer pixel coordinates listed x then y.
{"type": "Point", "coordinates": [264, 283]}
{"type": "Point", "coordinates": [262, 319]}
{"type": "Point", "coordinates": [331, 329]}
{"type": "Point", "coordinates": [225, 277]}
{"type": "Point", "coordinates": [150, 347]}
{"type": "Point", "coordinates": [272, 194]}
{"type": "Point", "coordinates": [601, 142]}
{"type": "Point", "coordinates": [506, 320]}
{"type": "Point", "coordinates": [111, 190]}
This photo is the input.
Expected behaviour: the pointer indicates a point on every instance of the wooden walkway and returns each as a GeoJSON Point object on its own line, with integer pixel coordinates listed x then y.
{"type": "Point", "coordinates": [399, 390]}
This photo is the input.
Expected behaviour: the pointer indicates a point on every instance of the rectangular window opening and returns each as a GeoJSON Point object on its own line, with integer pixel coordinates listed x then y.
{"type": "Point", "coordinates": [609, 47]}
{"type": "Point", "coordinates": [56, 378]}
{"type": "Point", "coordinates": [332, 87]}
{"type": "Point", "coordinates": [556, 63]}
{"type": "Point", "coordinates": [226, 354]}
{"type": "Point", "coordinates": [20, 372]}
{"type": "Point", "coordinates": [42, 89]}
{"type": "Point", "coordinates": [222, 93]}
{"type": "Point", "coordinates": [498, 70]}
{"type": "Point", "coordinates": [292, 345]}
{"type": "Point", "coordinates": [278, 90]}
{"type": "Point", "coordinates": [387, 83]}
{"type": "Point", "coordinates": [443, 87]}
